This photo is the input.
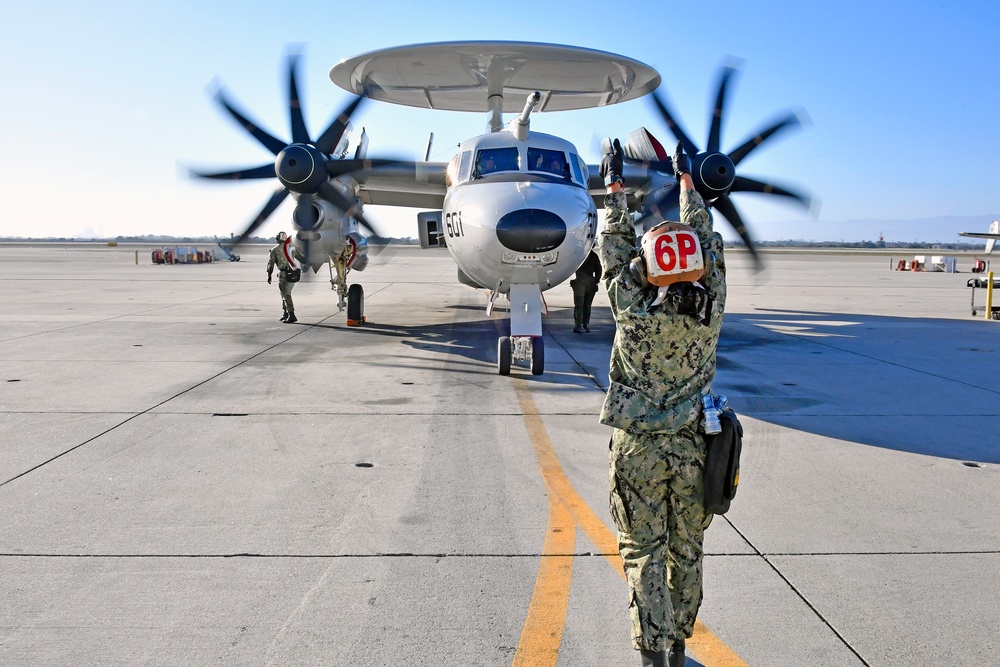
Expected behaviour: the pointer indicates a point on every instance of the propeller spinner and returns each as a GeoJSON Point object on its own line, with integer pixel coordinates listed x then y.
{"type": "Point", "coordinates": [713, 171]}
{"type": "Point", "coordinates": [302, 167]}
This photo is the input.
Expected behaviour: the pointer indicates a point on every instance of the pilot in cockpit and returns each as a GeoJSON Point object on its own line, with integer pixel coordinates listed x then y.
{"type": "Point", "coordinates": [487, 165]}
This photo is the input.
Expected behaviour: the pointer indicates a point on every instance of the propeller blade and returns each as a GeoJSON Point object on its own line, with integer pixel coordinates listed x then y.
{"type": "Point", "coordinates": [331, 136]}
{"type": "Point", "coordinates": [300, 135]}
{"type": "Point", "coordinates": [661, 206]}
{"type": "Point", "coordinates": [689, 146]}
{"type": "Point", "coordinates": [725, 206]}
{"type": "Point", "coordinates": [720, 102]}
{"type": "Point", "coordinates": [269, 142]}
{"type": "Point", "coordinates": [790, 121]}
{"type": "Point", "coordinates": [744, 184]}
{"type": "Point", "coordinates": [347, 207]}
{"type": "Point", "coordinates": [349, 166]}
{"type": "Point", "coordinates": [263, 171]}
{"type": "Point", "coordinates": [272, 203]}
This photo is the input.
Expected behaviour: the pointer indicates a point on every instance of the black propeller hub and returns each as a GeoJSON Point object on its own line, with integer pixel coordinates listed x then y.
{"type": "Point", "coordinates": [301, 168]}
{"type": "Point", "coordinates": [713, 173]}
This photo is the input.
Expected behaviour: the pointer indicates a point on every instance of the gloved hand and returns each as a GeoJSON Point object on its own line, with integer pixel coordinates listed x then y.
{"type": "Point", "coordinates": [268, 279]}
{"type": "Point", "coordinates": [682, 162]}
{"type": "Point", "coordinates": [613, 162]}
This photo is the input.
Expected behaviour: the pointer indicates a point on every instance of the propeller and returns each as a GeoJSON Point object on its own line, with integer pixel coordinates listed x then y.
{"type": "Point", "coordinates": [713, 171]}
{"type": "Point", "coordinates": [302, 167]}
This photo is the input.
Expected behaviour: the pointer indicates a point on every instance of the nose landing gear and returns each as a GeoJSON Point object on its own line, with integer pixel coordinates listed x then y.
{"type": "Point", "coordinates": [525, 340]}
{"type": "Point", "coordinates": [521, 348]}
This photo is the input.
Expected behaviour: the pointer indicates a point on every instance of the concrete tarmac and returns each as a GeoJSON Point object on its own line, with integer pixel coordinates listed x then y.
{"type": "Point", "coordinates": [185, 480]}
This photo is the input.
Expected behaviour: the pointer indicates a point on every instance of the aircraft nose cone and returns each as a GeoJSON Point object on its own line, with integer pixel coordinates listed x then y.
{"type": "Point", "coordinates": [531, 230]}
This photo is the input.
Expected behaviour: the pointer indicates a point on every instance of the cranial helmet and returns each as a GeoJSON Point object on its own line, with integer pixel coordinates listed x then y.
{"type": "Point", "coordinates": [281, 236]}
{"type": "Point", "coordinates": [670, 253]}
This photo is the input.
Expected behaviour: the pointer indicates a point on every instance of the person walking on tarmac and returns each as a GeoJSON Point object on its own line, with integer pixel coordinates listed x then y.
{"type": "Point", "coordinates": [584, 285]}
{"type": "Point", "coordinates": [667, 299]}
{"type": "Point", "coordinates": [282, 258]}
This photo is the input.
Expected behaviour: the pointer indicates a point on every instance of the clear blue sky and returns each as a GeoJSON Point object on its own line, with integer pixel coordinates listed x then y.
{"type": "Point", "coordinates": [103, 101]}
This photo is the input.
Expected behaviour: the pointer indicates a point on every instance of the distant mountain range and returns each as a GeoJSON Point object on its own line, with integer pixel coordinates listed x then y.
{"type": "Point", "coordinates": [936, 230]}
{"type": "Point", "coordinates": [943, 229]}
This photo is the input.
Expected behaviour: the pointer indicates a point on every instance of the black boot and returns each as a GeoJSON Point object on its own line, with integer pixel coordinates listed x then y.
{"type": "Point", "coordinates": [653, 658]}
{"type": "Point", "coordinates": [284, 315]}
{"type": "Point", "coordinates": [291, 318]}
{"type": "Point", "coordinates": [675, 658]}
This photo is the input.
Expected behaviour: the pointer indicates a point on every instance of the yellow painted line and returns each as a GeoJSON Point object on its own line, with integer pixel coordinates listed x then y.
{"type": "Point", "coordinates": [706, 647]}
{"type": "Point", "coordinates": [546, 619]}
{"type": "Point", "coordinates": [555, 479]}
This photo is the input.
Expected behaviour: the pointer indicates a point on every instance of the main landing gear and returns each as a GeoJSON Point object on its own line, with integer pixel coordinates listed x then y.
{"type": "Point", "coordinates": [355, 306]}
{"type": "Point", "coordinates": [521, 348]}
{"type": "Point", "coordinates": [353, 297]}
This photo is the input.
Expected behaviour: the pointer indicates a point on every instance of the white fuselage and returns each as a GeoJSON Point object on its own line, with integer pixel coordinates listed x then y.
{"type": "Point", "coordinates": [518, 211]}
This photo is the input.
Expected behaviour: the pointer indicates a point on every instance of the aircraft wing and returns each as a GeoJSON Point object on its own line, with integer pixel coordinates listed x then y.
{"type": "Point", "coordinates": [399, 183]}
{"type": "Point", "coordinates": [980, 235]}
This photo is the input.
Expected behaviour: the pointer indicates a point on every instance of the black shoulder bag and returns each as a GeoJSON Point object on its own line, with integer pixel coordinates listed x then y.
{"type": "Point", "coordinates": [722, 463]}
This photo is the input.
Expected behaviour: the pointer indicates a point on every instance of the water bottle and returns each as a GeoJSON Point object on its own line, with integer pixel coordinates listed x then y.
{"type": "Point", "coordinates": [711, 422]}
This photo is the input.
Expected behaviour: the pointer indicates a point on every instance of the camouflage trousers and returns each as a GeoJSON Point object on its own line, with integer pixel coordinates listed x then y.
{"type": "Point", "coordinates": [285, 288]}
{"type": "Point", "coordinates": [657, 482]}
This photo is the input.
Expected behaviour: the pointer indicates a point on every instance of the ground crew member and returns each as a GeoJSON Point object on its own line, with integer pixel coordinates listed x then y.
{"type": "Point", "coordinates": [662, 362]}
{"type": "Point", "coordinates": [279, 256]}
{"type": "Point", "coordinates": [584, 285]}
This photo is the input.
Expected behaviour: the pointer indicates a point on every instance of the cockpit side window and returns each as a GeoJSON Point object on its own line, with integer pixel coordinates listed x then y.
{"type": "Point", "coordinates": [579, 174]}
{"type": "Point", "coordinates": [490, 160]}
{"type": "Point", "coordinates": [549, 161]}
{"type": "Point", "coordinates": [465, 166]}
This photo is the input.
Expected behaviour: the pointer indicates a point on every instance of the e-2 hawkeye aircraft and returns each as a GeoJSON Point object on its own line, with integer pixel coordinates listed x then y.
{"type": "Point", "coordinates": [991, 236]}
{"type": "Point", "coordinates": [516, 209]}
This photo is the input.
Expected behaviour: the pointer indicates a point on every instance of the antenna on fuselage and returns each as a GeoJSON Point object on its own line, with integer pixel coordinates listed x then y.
{"type": "Point", "coordinates": [427, 153]}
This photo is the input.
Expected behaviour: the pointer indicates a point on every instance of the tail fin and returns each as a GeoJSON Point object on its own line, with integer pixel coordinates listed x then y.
{"type": "Point", "coordinates": [994, 229]}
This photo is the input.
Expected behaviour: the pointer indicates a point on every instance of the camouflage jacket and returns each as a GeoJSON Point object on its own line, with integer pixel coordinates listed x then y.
{"type": "Point", "coordinates": [661, 361]}
{"type": "Point", "coordinates": [277, 258]}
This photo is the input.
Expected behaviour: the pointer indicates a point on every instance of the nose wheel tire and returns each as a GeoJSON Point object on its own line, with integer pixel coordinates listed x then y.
{"type": "Point", "coordinates": [355, 306]}
{"type": "Point", "coordinates": [537, 356]}
{"type": "Point", "coordinates": [504, 353]}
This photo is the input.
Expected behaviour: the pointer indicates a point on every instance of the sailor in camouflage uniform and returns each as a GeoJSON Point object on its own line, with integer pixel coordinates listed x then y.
{"type": "Point", "coordinates": [662, 362]}
{"type": "Point", "coordinates": [277, 257]}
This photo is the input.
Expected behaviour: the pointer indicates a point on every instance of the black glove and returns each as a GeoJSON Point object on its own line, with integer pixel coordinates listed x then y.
{"type": "Point", "coordinates": [269, 279]}
{"type": "Point", "coordinates": [682, 162]}
{"type": "Point", "coordinates": [612, 163]}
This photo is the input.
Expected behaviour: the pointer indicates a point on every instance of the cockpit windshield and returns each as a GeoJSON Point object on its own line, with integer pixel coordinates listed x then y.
{"type": "Point", "coordinates": [550, 161]}
{"type": "Point", "coordinates": [490, 160]}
